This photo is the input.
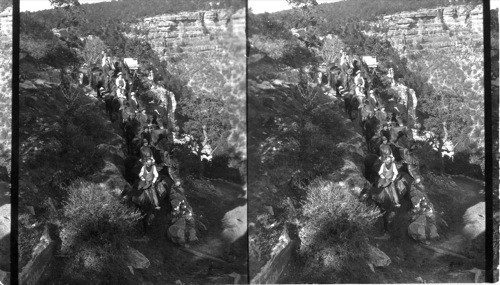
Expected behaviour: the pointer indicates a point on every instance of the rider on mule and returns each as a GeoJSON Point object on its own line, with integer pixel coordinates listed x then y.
{"type": "Point", "coordinates": [146, 152]}
{"type": "Point", "coordinates": [172, 165]}
{"type": "Point", "coordinates": [106, 68]}
{"type": "Point", "coordinates": [385, 149]}
{"type": "Point", "coordinates": [146, 134]}
{"type": "Point", "coordinates": [412, 162]}
{"type": "Point", "coordinates": [142, 118]}
{"type": "Point", "coordinates": [120, 88]}
{"type": "Point", "coordinates": [345, 62]}
{"type": "Point", "coordinates": [386, 132]}
{"type": "Point", "coordinates": [388, 173]}
{"type": "Point", "coordinates": [134, 103]}
{"type": "Point", "coordinates": [372, 101]}
{"type": "Point", "coordinates": [360, 86]}
{"type": "Point", "coordinates": [148, 176]}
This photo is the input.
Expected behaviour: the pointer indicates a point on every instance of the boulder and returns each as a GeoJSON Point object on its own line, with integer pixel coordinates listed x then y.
{"type": "Point", "coordinates": [377, 258]}
{"type": "Point", "coordinates": [42, 255]}
{"type": "Point", "coordinates": [433, 233]}
{"type": "Point", "coordinates": [5, 215]}
{"type": "Point", "coordinates": [136, 260]}
{"type": "Point", "coordinates": [40, 82]}
{"type": "Point", "coordinates": [27, 85]}
{"type": "Point", "coordinates": [475, 221]}
{"type": "Point", "coordinates": [176, 232]}
{"type": "Point", "coordinates": [416, 230]}
{"type": "Point", "coordinates": [265, 85]}
{"type": "Point", "coordinates": [4, 277]}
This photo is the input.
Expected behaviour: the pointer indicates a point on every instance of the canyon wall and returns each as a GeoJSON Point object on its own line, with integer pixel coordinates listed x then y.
{"type": "Point", "coordinates": [445, 45]}
{"type": "Point", "coordinates": [446, 27]}
{"type": "Point", "coordinates": [188, 31]}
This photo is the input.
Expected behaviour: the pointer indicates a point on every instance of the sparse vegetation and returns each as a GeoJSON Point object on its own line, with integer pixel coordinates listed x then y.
{"type": "Point", "coordinates": [96, 233]}
{"type": "Point", "coordinates": [334, 236]}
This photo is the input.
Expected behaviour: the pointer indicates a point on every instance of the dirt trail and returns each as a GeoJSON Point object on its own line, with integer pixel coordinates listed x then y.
{"type": "Point", "coordinates": [169, 262]}
{"type": "Point", "coordinates": [411, 260]}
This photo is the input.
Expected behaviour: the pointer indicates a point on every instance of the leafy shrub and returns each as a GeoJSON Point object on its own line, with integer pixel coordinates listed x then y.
{"type": "Point", "coordinates": [335, 231]}
{"type": "Point", "coordinates": [97, 230]}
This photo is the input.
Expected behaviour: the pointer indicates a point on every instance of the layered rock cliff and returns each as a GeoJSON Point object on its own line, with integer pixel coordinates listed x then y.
{"type": "Point", "coordinates": [6, 85]}
{"type": "Point", "coordinates": [188, 31]}
{"type": "Point", "coordinates": [444, 45]}
{"type": "Point", "coordinates": [446, 27]}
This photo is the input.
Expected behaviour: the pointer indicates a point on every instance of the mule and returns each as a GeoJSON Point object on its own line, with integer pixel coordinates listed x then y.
{"type": "Point", "coordinates": [112, 107]}
{"type": "Point", "coordinates": [381, 196]}
{"type": "Point", "coordinates": [138, 197]}
{"type": "Point", "coordinates": [370, 127]}
{"type": "Point", "coordinates": [351, 105]}
{"type": "Point", "coordinates": [97, 80]}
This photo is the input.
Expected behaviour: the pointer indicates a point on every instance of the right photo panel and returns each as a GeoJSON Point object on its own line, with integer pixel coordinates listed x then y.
{"type": "Point", "coordinates": [366, 144]}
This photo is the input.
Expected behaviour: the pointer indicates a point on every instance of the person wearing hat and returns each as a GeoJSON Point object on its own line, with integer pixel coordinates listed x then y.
{"type": "Point", "coordinates": [390, 74]}
{"type": "Point", "coordinates": [134, 103]}
{"type": "Point", "coordinates": [372, 100]}
{"type": "Point", "coordinates": [360, 85]}
{"type": "Point", "coordinates": [412, 164]}
{"type": "Point", "coordinates": [388, 173]}
{"type": "Point", "coordinates": [148, 176]}
{"type": "Point", "coordinates": [106, 68]}
{"type": "Point", "coordinates": [142, 118]}
{"type": "Point", "coordinates": [121, 84]}
{"type": "Point", "coordinates": [173, 166]}
{"type": "Point", "coordinates": [385, 149]}
{"type": "Point", "coordinates": [100, 91]}
{"type": "Point", "coordinates": [385, 132]}
{"type": "Point", "coordinates": [146, 134]}
{"type": "Point", "coordinates": [341, 91]}
{"type": "Point", "coordinates": [146, 152]}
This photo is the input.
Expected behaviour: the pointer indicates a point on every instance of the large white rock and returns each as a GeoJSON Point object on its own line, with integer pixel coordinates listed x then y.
{"type": "Point", "coordinates": [475, 221]}
{"type": "Point", "coordinates": [5, 215]}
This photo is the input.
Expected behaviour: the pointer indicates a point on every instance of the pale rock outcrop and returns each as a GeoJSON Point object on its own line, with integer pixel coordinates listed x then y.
{"type": "Point", "coordinates": [475, 221]}
{"type": "Point", "coordinates": [435, 28]}
{"type": "Point", "coordinates": [188, 31]}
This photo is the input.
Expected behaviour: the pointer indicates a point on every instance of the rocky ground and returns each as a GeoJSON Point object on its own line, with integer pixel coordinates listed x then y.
{"type": "Point", "coordinates": [210, 260]}
{"type": "Point", "coordinates": [276, 171]}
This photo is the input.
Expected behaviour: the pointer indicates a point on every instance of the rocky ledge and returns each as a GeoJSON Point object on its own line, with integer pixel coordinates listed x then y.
{"type": "Point", "coordinates": [188, 31]}
{"type": "Point", "coordinates": [432, 28]}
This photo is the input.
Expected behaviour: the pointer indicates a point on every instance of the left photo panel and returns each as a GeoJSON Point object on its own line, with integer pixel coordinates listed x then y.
{"type": "Point", "coordinates": [5, 138]}
{"type": "Point", "coordinates": [132, 142]}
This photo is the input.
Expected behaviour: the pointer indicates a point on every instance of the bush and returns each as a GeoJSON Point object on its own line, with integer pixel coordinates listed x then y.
{"type": "Point", "coordinates": [335, 231]}
{"type": "Point", "coordinates": [96, 232]}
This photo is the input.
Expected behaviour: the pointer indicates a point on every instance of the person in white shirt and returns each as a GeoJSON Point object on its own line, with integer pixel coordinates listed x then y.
{"type": "Point", "coordinates": [388, 174]}
{"type": "Point", "coordinates": [120, 88]}
{"type": "Point", "coordinates": [359, 81]}
{"type": "Point", "coordinates": [148, 176]}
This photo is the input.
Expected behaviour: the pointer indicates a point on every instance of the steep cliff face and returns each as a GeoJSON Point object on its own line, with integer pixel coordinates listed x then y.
{"type": "Point", "coordinates": [6, 22]}
{"type": "Point", "coordinates": [446, 46]}
{"type": "Point", "coordinates": [5, 83]}
{"type": "Point", "coordinates": [188, 31]}
{"type": "Point", "coordinates": [453, 26]}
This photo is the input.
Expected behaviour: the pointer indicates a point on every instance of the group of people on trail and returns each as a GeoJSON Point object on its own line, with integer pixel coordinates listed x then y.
{"type": "Point", "coordinates": [388, 171]}
{"type": "Point", "coordinates": [139, 126]}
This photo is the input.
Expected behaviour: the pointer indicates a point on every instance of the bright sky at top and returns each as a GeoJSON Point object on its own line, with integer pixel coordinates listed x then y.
{"type": "Point", "coordinates": [37, 5]}
{"type": "Point", "coordinates": [494, 4]}
{"type": "Point", "coordinates": [271, 6]}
